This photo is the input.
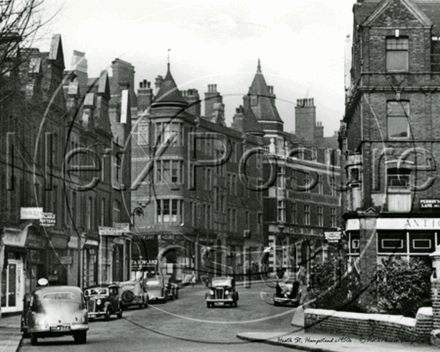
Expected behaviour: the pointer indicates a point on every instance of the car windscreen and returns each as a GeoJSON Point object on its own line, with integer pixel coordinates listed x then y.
{"type": "Point", "coordinates": [96, 291]}
{"type": "Point", "coordinates": [57, 299]}
{"type": "Point", "coordinates": [221, 282]}
{"type": "Point", "coordinates": [59, 296]}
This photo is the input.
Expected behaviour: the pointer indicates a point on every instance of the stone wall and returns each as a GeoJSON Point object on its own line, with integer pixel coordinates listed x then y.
{"type": "Point", "coordinates": [377, 326]}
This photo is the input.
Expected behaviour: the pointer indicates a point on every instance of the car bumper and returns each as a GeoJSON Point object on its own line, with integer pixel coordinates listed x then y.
{"type": "Point", "coordinates": [152, 299]}
{"type": "Point", "coordinates": [53, 330]}
{"type": "Point", "coordinates": [282, 300]}
{"type": "Point", "coordinates": [96, 314]}
{"type": "Point", "coordinates": [224, 300]}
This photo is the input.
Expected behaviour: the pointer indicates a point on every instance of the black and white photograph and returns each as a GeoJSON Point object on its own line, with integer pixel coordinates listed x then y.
{"type": "Point", "coordinates": [219, 175]}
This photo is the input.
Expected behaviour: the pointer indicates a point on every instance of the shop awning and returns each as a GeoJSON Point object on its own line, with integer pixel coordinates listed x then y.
{"type": "Point", "coordinates": [15, 237]}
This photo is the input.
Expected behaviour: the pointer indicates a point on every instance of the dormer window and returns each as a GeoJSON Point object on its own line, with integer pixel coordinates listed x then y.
{"type": "Point", "coordinates": [254, 100]}
{"type": "Point", "coordinates": [397, 54]}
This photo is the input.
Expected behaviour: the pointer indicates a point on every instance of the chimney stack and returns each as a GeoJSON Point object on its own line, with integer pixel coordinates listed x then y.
{"type": "Point", "coordinates": [145, 95]}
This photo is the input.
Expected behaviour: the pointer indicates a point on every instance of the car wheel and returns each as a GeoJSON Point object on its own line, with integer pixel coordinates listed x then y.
{"type": "Point", "coordinates": [275, 303]}
{"type": "Point", "coordinates": [177, 294]}
{"type": "Point", "coordinates": [34, 340]}
{"type": "Point", "coordinates": [127, 297]}
{"type": "Point", "coordinates": [146, 303]}
{"type": "Point", "coordinates": [107, 314]}
{"type": "Point", "coordinates": [120, 313]}
{"type": "Point", "coordinates": [208, 304]}
{"type": "Point", "coordinates": [235, 304]}
{"type": "Point", "coordinates": [80, 337]}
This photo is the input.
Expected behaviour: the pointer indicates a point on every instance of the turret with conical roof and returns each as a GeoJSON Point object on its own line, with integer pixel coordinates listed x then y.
{"type": "Point", "coordinates": [168, 94]}
{"type": "Point", "coordinates": [262, 103]}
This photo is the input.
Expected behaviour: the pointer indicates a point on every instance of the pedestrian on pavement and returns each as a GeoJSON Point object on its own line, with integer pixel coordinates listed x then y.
{"type": "Point", "coordinates": [301, 275]}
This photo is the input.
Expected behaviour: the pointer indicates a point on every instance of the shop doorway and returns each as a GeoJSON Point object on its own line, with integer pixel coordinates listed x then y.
{"type": "Point", "coordinates": [12, 287]}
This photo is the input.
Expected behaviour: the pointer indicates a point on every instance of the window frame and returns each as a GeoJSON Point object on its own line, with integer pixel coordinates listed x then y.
{"type": "Point", "coordinates": [395, 45]}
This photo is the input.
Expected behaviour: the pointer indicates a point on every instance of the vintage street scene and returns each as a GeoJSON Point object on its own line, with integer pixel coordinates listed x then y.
{"type": "Point", "coordinates": [198, 176]}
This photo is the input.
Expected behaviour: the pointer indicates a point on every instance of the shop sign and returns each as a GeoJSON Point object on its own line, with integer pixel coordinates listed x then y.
{"type": "Point", "coordinates": [122, 226]}
{"type": "Point", "coordinates": [429, 203]}
{"type": "Point", "coordinates": [48, 219]}
{"type": "Point", "coordinates": [31, 213]}
{"type": "Point", "coordinates": [332, 237]}
{"type": "Point", "coordinates": [91, 242]}
{"type": "Point", "coordinates": [109, 231]}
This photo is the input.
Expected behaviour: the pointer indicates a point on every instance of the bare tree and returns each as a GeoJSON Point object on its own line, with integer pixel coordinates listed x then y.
{"type": "Point", "coordinates": [21, 22]}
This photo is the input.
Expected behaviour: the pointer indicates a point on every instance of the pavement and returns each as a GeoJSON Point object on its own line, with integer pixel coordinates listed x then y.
{"type": "Point", "coordinates": [10, 334]}
{"type": "Point", "coordinates": [297, 338]}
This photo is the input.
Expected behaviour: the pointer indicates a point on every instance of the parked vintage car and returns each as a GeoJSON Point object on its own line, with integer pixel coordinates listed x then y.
{"type": "Point", "coordinates": [103, 300]}
{"type": "Point", "coordinates": [221, 291]}
{"type": "Point", "coordinates": [133, 294]}
{"type": "Point", "coordinates": [157, 290]}
{"type": "Point", "coordinates": [287, 293]}
{"type": "Point", "coordinates": [172, 290]}
{"type": "Point", "coordinates": [54, 311]}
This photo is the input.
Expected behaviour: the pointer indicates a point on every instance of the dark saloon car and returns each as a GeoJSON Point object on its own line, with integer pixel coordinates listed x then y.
{"type": "Point", "coordinates": [287, 293]}
{"type": "Point", "coordinates": [103, 300]}
{"type": "Point", "coordinates": [133, 294]}
{"type": "Point", "coordinates": [221, 292]}
{"type": "Point", "coordinates": [172, 290]}
{"type": "Point", "coordinates": [55, 311]}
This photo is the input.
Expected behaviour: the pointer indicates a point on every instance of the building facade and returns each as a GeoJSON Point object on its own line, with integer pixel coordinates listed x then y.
{"type": "Point", "coordinates": [389, 135]}
{"type": "Point", "coordinates": [208, 198]}
{"type": "Point", "coordinates": [302, 201]}
{"type": "Point", "coordinates": [57, 172]}
{"type": "Point", "coordinates": [192, 210]}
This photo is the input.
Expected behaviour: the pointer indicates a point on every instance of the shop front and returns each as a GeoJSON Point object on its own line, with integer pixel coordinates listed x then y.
{"type": "Point", "coordinates": [407, 238]}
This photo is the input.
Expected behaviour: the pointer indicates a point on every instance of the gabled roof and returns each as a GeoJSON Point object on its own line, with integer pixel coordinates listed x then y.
{"type": "Point", "coordinates": [168, 93]}
{"type": "Point", "coordinates": [408, 4]}
{"type": "Point", "coordinates": [265, 108]}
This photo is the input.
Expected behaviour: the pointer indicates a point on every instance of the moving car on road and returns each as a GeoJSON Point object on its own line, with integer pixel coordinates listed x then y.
{"type": "Point", "coordinates": [287, 293]}
{"type": "Point", "coordinates": [55, 311]}
{"type": "Point", "coordinates": [103, 300]}
{"type": "Point", "coordinates": [133, 294]}
{"type": "Point", "coordinates": [221, 291]}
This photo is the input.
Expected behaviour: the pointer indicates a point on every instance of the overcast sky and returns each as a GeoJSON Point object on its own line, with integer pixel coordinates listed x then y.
{"type": "Point", "coordinates": [300, 45]}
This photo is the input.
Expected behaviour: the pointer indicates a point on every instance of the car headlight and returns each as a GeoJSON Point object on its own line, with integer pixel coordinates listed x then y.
{"type": "Point", "coordinates": [98, 302]}
{"type": "Point", "coordinates": [226, 292]}
{"type": "Point", "coordinates": [211, 293]}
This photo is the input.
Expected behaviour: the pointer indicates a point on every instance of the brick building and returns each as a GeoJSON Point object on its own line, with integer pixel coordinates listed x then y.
{"type": "Point", "coordinates": [54, 120]}
{"type": "Point", "coordinates": [389, 136]}
{"type": "Point", "coordinates": [302, 203]}
{"type": "Point", "coordinates": [190, 210]}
